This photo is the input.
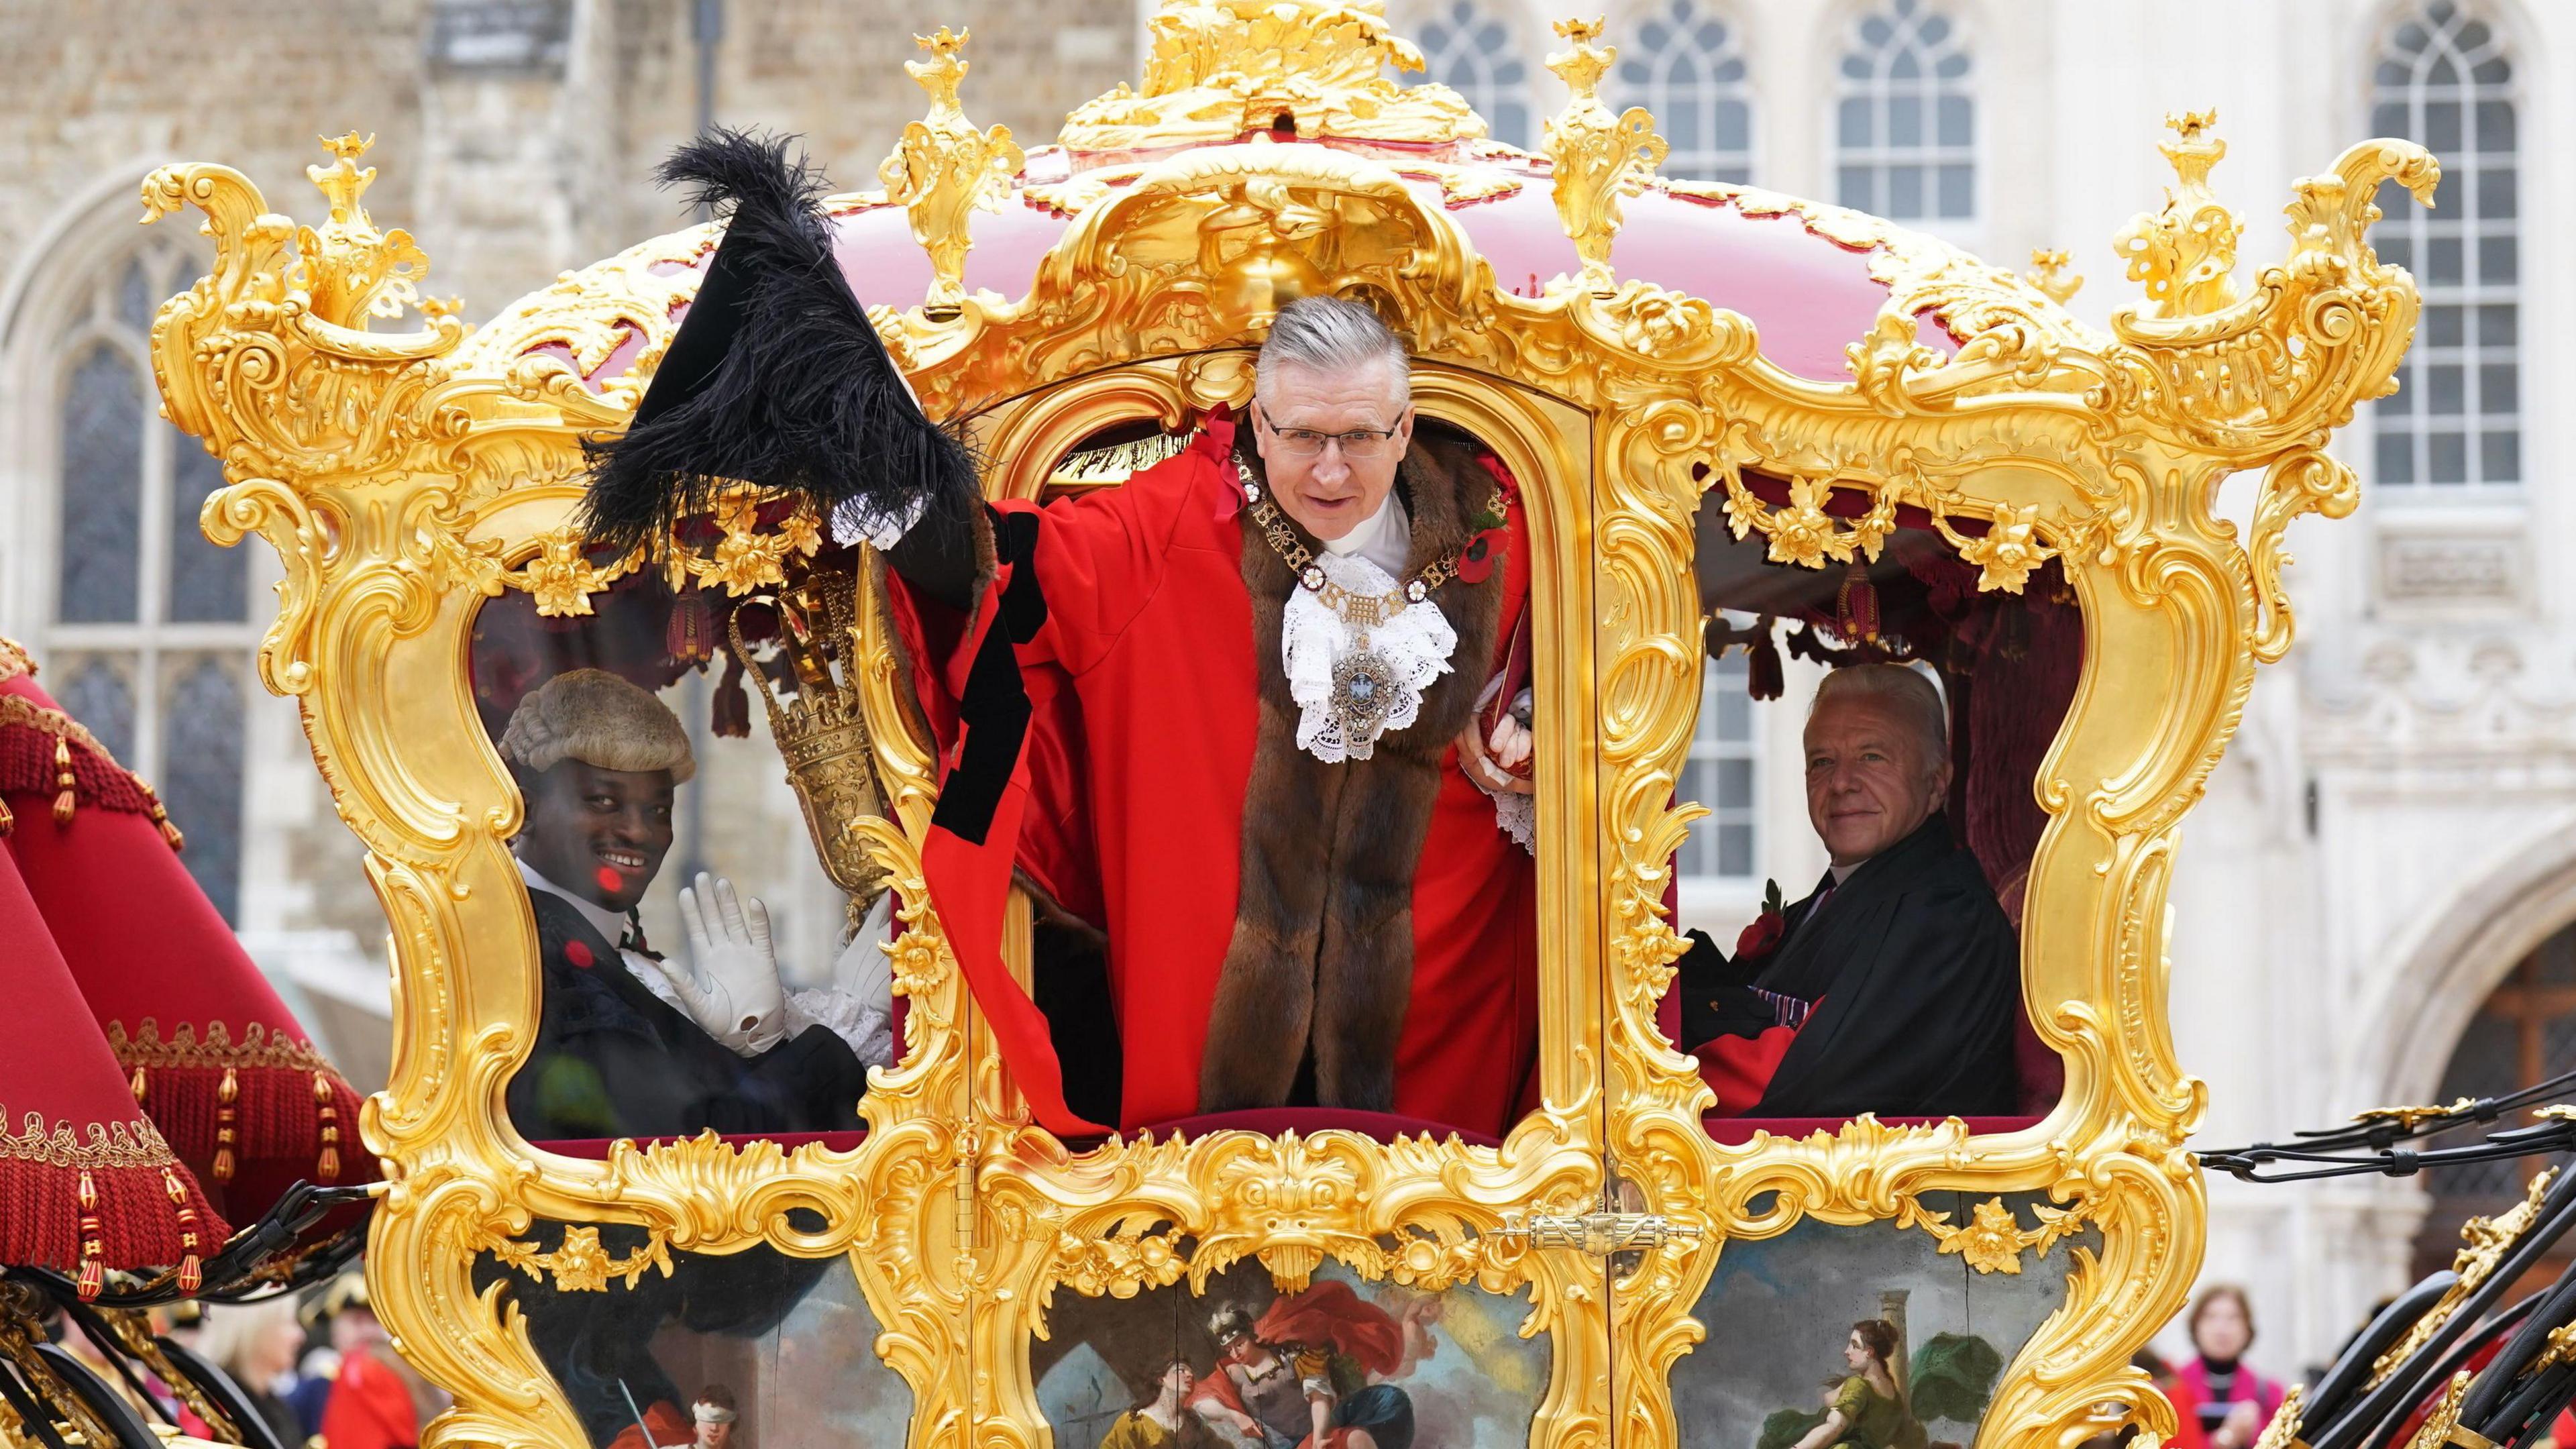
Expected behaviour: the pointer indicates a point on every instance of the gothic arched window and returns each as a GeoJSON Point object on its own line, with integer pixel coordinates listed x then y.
{"type": "Point", "coordinates": [1685, 67]}
{"type": "Point", "coordinates": [150, 640]}
{"type": "Point", "coordinates": [2523, 1035]}
{"type": "Point", "coordinates": [2444, 81]}
{"type": "Point", "coordinates": [1905, 119]}
{"type": "Point", "coordinates": [1470, 51]}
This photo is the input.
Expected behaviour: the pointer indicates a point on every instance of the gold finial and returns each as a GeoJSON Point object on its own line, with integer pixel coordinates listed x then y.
{"type": "Point", "coordinates": [1582, 65]}
{"type": "Point", "coordinates": [944, 170]}
{"type": "Point", "coordinates": [2186, 253]}
{"type": "Point", "coordinates": [1599, 158]}
{"type": "Point", "coordinates": [940, 74]}
{"type": "Point", "coordinates": [344, 180]}
{"type": "Point", "coordinates": [2052, 272]}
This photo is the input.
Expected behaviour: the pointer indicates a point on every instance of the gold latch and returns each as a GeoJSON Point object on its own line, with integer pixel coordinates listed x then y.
{"type": "Point", "coordinates": [1598, 1233]}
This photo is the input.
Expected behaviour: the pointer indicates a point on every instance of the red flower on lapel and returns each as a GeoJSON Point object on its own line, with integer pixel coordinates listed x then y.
{"type": "Point", "coordinates": [1762, 937]}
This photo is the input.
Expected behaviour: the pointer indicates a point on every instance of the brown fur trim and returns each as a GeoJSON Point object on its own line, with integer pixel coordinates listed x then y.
{"type": "Point", "coordinates": [1323, 929]}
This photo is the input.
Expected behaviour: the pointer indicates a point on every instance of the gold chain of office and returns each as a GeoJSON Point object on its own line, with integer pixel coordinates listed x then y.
{"type": "Point", "coordinates": [1360, 611]}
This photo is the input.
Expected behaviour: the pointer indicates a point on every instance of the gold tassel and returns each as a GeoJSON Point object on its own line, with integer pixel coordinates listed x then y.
{"type": "Point", "coordinates": [62, 781]}
{"type": "Point", "coordinates": [140, 1084]}
{"type": "Point", "coordinates": [161, 817]}
{"type": "Point", "coordinates": [93, 1271]}
{"type": "Point", "coordinates": [192, 1272]}
{"type": "Point", "coordinates": [327, 1166]}
{"type": "Point", "coordinates": [224, 1099]}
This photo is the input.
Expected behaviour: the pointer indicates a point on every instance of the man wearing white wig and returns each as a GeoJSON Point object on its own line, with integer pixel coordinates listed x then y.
{"type": "Point", "coordinates": [630, 1042]}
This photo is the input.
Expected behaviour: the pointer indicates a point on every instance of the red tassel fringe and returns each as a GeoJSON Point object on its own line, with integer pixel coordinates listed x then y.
{"type": "Point", "coordinates": [729, 710]}
{"type": "Point", "coordinates": [88, 1221]}
{"type": "Point", "coordinates": [272, 1113]}
{"type": "Point", "coordinates": [35, 762]}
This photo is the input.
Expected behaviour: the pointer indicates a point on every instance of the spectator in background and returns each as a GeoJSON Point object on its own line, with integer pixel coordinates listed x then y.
{"type": "Point", "coordinates": [377, 1402]}
{"type": "Point", "coordinates": [257, 1345]}
{"type": "Point", "coordinates": [2216, 1392]}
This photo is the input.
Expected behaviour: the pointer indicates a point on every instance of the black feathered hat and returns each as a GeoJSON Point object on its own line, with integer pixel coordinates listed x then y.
{"type": "Point", "coordinates": [776, 377]}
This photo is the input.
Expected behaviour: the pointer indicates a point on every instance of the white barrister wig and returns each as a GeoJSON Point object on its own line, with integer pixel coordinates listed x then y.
{"type": "Point", "coordinates": [603, 721]}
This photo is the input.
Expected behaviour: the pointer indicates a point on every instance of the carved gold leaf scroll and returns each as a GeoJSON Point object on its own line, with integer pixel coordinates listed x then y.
{"type": "Point", "coordinates": [1993, 1239]}
{"type": "Point", "coordinates": [2484, 1242]}
{"type": "Point", "coordinates": [579, 1264]}
{"type": "Point", "coordinates": [1217, 69]}
{"type": "Point", "coordinates": [1599, 158]}
{"type": "Point", "coordinates": [944, 170]}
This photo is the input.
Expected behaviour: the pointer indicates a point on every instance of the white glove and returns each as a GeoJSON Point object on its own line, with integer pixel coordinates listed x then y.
{"type": "Point", "coordinates": [864, 970]}
{"type": "Point", "coordinates": [733, 990]}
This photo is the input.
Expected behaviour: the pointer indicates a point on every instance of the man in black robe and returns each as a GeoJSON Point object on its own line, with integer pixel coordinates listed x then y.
{"type": "Point", "coordinates": [630, 1043]}
{"type": "Point", "coordinates": [1892, 988]}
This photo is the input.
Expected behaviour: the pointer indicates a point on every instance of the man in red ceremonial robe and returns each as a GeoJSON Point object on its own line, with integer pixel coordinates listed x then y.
{"type": "Point", "coordinates": [1285, 898]}
{"type": "Point", "coordinates": [1247, 713]}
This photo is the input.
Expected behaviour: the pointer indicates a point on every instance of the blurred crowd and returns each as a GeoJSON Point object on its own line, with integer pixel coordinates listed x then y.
{"type": "Point", "coordinates": [314, 1367]}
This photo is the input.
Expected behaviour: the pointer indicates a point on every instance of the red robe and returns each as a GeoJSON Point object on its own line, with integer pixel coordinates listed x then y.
{"type": "Point", "coordinates": [370, 1405]}
{"type": "Point", "coordinates": [1143, 686]}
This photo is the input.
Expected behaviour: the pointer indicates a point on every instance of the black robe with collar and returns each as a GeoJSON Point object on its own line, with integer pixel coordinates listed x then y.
{"type": "Point", "coordinates": [1916, 974]}
{"type": "Point", "coordinates": [614, 1060]}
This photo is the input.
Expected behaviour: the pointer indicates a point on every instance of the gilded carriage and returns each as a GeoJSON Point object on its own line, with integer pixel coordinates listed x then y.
{"type": "Point", "coordinates": [1673, 371]}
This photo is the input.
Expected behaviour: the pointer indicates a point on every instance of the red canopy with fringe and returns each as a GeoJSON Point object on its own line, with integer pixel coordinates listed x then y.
{"type": "Point", "coordinates": [203, 1043]}
{"type": "Point", "coordinates": [86, 1181]}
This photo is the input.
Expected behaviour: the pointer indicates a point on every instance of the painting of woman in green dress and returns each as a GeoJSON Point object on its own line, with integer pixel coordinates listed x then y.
{"type": "Point", "coordinates": [1867, 1409]}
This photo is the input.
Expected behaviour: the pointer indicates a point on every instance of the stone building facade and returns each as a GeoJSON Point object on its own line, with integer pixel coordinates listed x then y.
{"type": "Point", "coordinates": [2371, 904]}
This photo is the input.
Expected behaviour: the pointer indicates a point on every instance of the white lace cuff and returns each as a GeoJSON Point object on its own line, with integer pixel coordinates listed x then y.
{"type": "Point", "coordinates": [868, 1031]}
{"type": "Point", "coordinates": [852, 522]}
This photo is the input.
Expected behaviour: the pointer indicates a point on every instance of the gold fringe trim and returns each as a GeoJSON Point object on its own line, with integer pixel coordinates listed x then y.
{"type": "Point", "coordinates": [17, 710]}
{"type": "Point", "coordinates": [111, 1144]}
{"type": "Point", "coordinates": [14, 659]}
{"type": "Point", "coordinates": [144, 1048]}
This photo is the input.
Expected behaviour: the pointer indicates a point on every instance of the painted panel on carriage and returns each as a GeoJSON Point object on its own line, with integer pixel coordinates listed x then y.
{"type": "Point", "coordinates": [1786, 1347]}
{"type": "Point", "coordinates": [1241, 1366]}
{"type": "Point", "coordinates": [783, 1345]}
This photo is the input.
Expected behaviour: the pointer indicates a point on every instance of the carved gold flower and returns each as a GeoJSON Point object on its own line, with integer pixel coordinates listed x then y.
{"type": "Point", "coordinates": [561, 578]}
{"type": "Point", "coordinates": [581, 1264]}
{"type": "Point", "coordinates": [1992, 1243]}
{"type": "Point", "coordinates": [2008, 552]}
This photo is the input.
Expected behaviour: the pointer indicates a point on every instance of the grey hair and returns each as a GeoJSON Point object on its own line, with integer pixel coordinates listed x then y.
{"type": "Point", "coordinates": [1331, 334]}
{"type": "Point", "coordinates": [1910, 693]}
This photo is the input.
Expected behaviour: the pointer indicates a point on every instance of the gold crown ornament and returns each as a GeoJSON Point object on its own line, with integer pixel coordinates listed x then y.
{"type": "Point", "coordinates": [821, 730]}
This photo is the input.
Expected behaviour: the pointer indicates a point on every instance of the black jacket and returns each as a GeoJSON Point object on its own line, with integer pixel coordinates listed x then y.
{"type": "Point", "coordinates": [1916, 974]}
{"type": "Point", "coordinates": [614, 1060]}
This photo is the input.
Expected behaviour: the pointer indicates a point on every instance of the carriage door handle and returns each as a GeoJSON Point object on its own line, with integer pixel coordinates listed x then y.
{"type": "Point", "coordinates": [1597, 1233]}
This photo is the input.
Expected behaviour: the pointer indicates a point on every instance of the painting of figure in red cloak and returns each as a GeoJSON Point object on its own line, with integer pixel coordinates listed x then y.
{"type": "Point", "coordinates": [1339, 1364]}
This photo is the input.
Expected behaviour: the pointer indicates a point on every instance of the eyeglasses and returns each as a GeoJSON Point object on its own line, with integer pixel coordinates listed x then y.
{"type": "Point", "coordinates": [1361, 443]}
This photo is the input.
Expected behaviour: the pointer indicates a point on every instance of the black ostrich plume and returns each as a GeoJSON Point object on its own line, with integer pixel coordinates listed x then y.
{"type": "Point", "coordinates": [776, 378]}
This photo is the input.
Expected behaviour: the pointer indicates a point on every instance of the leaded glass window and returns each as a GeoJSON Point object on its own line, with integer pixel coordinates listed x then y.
{"type": "Point", "coordinates": [1720, 774]}
{"type": "Point", "coordinates": [151, 638]}
{"type": "Point", "coordinates": [1469, 49]}
{"type": "Point", "coordinates": [1685, 68]}
{"type": "Point", "coordinates": [1905, 117]}
{"type": "Point", "coordinates": [2445, 81]}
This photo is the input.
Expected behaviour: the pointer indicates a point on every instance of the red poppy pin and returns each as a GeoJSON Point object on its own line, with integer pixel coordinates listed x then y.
{"type": "Point", "coordinates": [579, 955]}
{"type": "Point", "coordinates": [1476, 561]}
{"type": "Point", "coordinates": [1761, 937]}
